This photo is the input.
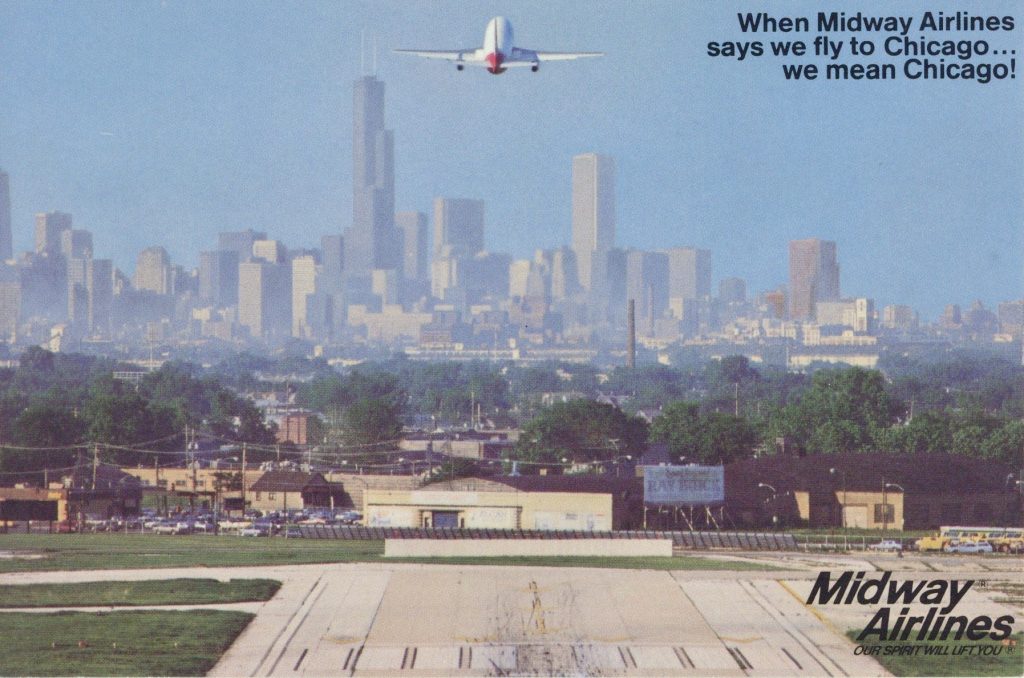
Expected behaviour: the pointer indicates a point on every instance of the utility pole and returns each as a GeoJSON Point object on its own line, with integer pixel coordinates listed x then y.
{"type": "Point", "coordinates": [95, 463]}
{"type": "Point", "coordinates": [243, 478]}
{"type": "Point", "coordinates": [736, 398]}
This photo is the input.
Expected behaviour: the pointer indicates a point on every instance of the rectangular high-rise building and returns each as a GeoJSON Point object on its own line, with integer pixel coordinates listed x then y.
{"type": "Point", "coordinates": [99, 279]}
{"type": "Point", "coordinates": [240, 242]}
{"type": "Point", "coordinates": [6, 242]}
{"type": "Point", "coordinates": [647, 285]}
{"type": "Point", "coordinates": [264, 298]}
{"type": "Point", "coordinates": [458, 227]}
{"type": "Point", "coordinates": [218, 277]}
{"type": "Point", "coordinates": [76, 244]}
{"type": "Point", "coordinates": [49, 226]}
{"type": "Point", "coordinates": [593, 215]}
{"type": "Point", "coordinates": [153, 271]}
{"type": "Point", "coordinates": [371, 242]}
{"type": "Point", "coordinates": [689, 273]}
{"type": "Point", "coordinates": [415, 255]}
{"type": "Point", "coordinates": [10, 301]}
{"type": "Point", "coordinates": [304, 285]}
{"type": "Point", "coordinates": [813, 276]}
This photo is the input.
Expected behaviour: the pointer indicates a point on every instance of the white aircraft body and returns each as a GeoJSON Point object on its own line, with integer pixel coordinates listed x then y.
{"type": "Point", "coordinates": [498, 52]}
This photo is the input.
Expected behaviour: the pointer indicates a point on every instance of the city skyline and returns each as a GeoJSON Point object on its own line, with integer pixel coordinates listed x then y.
{"type": "Point", "coordinates": [741, 169]}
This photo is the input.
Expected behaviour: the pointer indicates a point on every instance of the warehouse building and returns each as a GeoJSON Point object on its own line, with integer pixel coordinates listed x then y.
{"type": "Point", "coordinates": [563, 502]}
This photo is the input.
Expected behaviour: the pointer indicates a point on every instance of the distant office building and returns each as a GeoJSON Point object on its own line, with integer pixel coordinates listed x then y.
{"type": "Point", "coordinates": [647, 286]}
{"type": "Point", "coordinates": [415, 253]}
{"type": "Point", "coordinates": [240, 242]}
{"type": "Point", "coordinates": [951, 317]}
{"type": "Point", "coordinates": [689, 273]}
{"type": "Point", "coordinates": [332, 257]}
{"type": "Point", "coordinates": [371, 242]}
{"type": "Point", "coordinates": [218, 277]}
{"type": "Point", "coordinates": [856, 314]}
{"type": "Point", "coordinates": [732, 291]}
{"type": "Point", "coordinates": [518, 273]}
{"type": "Point", "coordinates": [78, 296]}
{"type": "Point", "coordinates": [813, 276]}
{"type": "Point", "coordinates": [899, 317]}
{"type": "Point", "coordinates": [6, 242]}
{"type": "Point", "coordinates": [99, 278]}
{"type": "Point", "coordinates": [564, 279]}
{"type": "Point", "coordinates": [593, 214]}
{"type": "Point", "coordinates": [1011, 317]}
{"type": "Point", "coordinates": [304, 285]}
{"type": "Point", "coordinates": [76, 244]}
{"type": "Point", "coordinates": [10, 301]}
{"type": "Point", "coordinates": [384, 284]}
{"type": "Point", "coordinates": [775, 302]}
{"type": "Point", "coordinates": [49, 227]}
{"type": "Point", "coordinates": [271, 251]}
{"type": "Point", "coordinates": [458, 227]}
{"type": "Point", "coordinates": [153, 271]}
{"type": "Point", "coordinates": [264, 298]}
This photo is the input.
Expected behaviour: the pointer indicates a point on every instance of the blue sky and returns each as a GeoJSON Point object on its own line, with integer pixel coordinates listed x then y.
{"type": "Point", "coordinates": [165, 123]}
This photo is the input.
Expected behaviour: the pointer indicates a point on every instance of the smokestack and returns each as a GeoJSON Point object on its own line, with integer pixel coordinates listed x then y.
{"type": "Point", "coordinates": [631, 339]}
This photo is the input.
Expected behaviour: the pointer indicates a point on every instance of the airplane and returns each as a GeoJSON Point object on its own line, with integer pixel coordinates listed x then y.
{"type": "Point", "coordinates": [498, 53]}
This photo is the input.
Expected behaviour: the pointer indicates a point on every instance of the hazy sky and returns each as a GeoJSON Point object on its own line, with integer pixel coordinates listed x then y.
{"type": "Point", "coordinates": [167, 122]}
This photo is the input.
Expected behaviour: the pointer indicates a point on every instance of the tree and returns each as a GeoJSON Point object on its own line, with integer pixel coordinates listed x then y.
{"type": "Point", "coordinates": [838, 413]}
{"type": "Point", "coordinates": [369, 421]}
{"type": "Point", "coordinates": [706, 438]}
{"type": "Point", "coordinates": [581, 430]}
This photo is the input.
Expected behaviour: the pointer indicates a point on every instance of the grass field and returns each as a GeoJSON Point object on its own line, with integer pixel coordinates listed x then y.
{"type": "Point", "coordinates": [153, 592]}
{"type": "Point", "coordinates": [132, 643]}
{"type": "Point", "coordinates": [1009, 661]}
{"type": "Point", "coordinates": [110, 551]}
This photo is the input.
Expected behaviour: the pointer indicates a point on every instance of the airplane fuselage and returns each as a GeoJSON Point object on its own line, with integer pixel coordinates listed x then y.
{"type": "Point", "coordinates": [498, 44]}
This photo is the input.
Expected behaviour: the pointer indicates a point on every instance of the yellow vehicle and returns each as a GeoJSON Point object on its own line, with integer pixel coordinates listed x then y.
{"type": "Point", "coordinates": [1003, 539]}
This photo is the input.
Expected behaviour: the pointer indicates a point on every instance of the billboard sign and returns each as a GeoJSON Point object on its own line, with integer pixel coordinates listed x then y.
{"type": "Point", "coordinates": [684, 485]}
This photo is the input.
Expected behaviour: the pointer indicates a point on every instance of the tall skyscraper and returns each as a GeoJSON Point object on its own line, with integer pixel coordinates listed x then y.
{"type": "Point", "coordinates": [240, 242]}
{"type": "Point", "coordinates": [593, 215]}
{"type": "Point", "coordinates": [76, 244]}
{"type": "Point", "coordinates": [689, 273]}
{"type": "Point", "coordinates": [371, 242]}
{"type": "Point", "coordinates": [49, 227]}
{"type": "Point", "coordinates": [304, 286]}
{"type": "Point", "coordinates": [458, 227]}
{"type": "Point", "coordinates": [99, 277]}
{"type": "Point", "coordinates": [153, 271]}
{"type": "Point", "coordinates": [6, 245]}
{"type": "Point", "coordinates": [415, 255]}
{"type": "Point", "coordinates": [813, 276]}
{"type": "Point", "coordinates": [218, 277]}
{"type": "Point", "coordinates": [264, 298]}
{"type": "Point", "coordinates": [647, 285]}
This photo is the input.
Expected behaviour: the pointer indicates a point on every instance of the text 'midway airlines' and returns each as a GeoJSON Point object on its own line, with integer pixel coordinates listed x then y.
{"type": "Point", "coordinates": [498, 52]}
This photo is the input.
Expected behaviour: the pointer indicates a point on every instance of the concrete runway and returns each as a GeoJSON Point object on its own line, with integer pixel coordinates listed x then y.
{"type": "Point", "coordinates": [451, 620]}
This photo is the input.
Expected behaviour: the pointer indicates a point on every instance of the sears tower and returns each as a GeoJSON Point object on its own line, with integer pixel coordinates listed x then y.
{"type": "Point", "coordinates": [371, 242]}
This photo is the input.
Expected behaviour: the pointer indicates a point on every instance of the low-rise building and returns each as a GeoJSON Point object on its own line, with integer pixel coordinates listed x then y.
{"type": "Point", "coordinates": [563, 502]}
{"type": "Point", "coordinates": [295, 490]}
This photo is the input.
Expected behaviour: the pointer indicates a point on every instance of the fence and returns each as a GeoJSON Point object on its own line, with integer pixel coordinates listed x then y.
{"type": "Point", "coordinates": [751, 541]}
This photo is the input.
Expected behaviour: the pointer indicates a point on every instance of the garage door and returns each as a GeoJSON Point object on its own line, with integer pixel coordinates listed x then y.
{"type": "Point", "coordinates": [446, 518]}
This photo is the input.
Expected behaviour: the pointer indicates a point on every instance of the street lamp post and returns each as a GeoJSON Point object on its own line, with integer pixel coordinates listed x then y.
{"type": "Point", "coordinates": [775, 517]}
{"type": "Point", "coordinates": [842, 509]}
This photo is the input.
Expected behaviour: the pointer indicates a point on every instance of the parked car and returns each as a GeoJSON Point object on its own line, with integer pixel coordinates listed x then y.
{"type": "Point", "coordinates": [887, 545]}
{"type": "Point", "coordinates": [968, 547]}
{"type": "Point", "coordinates": [291, 532]}
{"type": "Point", "coordinates": [255, 531]}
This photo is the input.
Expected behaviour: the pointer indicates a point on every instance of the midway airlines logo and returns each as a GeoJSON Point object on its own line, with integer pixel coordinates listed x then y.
{"type": "Point", "coordinates": [935, 618]}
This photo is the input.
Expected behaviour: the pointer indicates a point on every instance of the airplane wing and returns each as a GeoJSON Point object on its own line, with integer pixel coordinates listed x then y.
{"type": "Point", "coordinates": [531, 56]}
{"type": "Point", "coordinates": [465, 55]}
